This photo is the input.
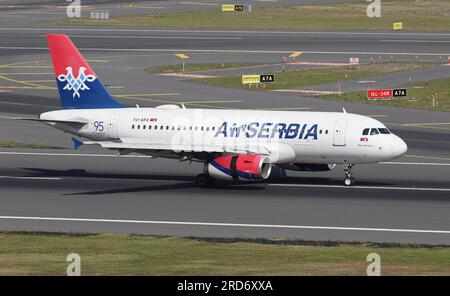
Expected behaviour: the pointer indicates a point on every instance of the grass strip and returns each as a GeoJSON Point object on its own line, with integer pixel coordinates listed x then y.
{"type": "Point", "coordinates": [424, 15]}
{"type": "Point", "coordinates": [118, 254]}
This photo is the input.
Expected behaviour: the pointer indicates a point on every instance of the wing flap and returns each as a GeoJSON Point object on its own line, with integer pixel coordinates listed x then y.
{"type": "Point", "coordinates": [136, 147]}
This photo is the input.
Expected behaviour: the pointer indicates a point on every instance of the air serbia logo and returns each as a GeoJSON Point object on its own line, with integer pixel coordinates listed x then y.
{"type": "Point", "coordinates": [76, 84]}
{"type": "Point", "coordinates": [269, 130]}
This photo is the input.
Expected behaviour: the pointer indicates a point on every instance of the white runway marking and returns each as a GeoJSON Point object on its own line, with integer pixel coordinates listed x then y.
{"type": "Point", "coordinates": [185, 75]}
{"type": "Point", "coordinates": [415, 163]}
{"type": "Point", "coordinates": [396, 34]}
{"type": "Point", "coordinates": [234, 51]}
{"type": "Point", "coordinates": [416, 41]}
{"type": "Point", "coordinates": [154, 37]}
{"type": "Point", "coordinates": [308, 91]}
{"type": "Point", "coordinates": [10, 15]}
{"type": "Point", "coordinates": [318, 64]}
{"type": "Point", "coordinates": [218, 224]}
{"type": "Point", "coordinates": [30, 178]}
{"type": "Point", "coordinates": [143, 156]}
{"type": "Point", "coordinates": [361, 187]}
{"type": "Point", "coordinates": [199, 3]}
{"type": "Point", "coordinates": [70, 154]}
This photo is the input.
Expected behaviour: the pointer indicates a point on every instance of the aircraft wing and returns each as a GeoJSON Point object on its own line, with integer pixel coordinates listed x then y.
{"type": "Point", "coordinates": [145, 147]}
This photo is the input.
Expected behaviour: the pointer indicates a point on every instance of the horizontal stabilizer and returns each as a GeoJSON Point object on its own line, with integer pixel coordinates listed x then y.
{"type": "Point", "coordinates": [74, 123]}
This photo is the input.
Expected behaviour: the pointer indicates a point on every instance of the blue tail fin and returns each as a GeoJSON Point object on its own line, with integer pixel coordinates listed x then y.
{"type": "Point", "coordinates": [78, 85]}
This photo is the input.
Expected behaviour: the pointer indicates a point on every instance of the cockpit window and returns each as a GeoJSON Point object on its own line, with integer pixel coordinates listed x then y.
{"type": "Point", "coordinates": [374, 131]}
{"type": "Point", "coordinates": [384, 131]}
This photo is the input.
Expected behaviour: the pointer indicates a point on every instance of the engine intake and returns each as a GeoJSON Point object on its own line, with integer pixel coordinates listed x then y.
{"type": "Point", "coordinates": [239, 168]}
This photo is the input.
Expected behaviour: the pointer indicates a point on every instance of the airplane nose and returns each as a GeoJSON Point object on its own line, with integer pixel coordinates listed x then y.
{"type": "Point", "coordinates": [398, 147]}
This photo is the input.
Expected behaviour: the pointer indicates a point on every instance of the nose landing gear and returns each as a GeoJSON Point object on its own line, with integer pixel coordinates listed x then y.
{"type": "Point", "coordinates": [349, 180]}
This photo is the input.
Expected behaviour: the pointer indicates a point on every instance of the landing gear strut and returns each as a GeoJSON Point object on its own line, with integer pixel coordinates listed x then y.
{"type": "Point", "coordinates": [204, 180]}
{"type": "Point", "coordinates": [349, 180]}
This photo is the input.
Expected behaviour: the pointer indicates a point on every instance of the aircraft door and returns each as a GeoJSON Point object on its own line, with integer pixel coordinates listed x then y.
{"type": "Point", "coordinates": [113, 126]}
{"type": "Point", "coordinates": [339, 132]}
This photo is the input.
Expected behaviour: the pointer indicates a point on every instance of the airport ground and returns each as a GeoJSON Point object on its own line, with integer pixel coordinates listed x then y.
{"type": "Point", "coordinates": [124, 254]}
{"type": "Point", "coordinates": [93, 191]}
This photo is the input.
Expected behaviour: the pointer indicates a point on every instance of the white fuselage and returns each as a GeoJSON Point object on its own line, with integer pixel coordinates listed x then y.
{"type": "Point", "coordinates": [297, 137]}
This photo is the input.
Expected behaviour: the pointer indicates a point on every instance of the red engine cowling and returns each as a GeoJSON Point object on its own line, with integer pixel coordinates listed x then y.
{"type": "Point", "coordinates": [239, 168]}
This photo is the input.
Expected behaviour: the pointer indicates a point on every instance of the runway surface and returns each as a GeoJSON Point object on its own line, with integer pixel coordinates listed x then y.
{"type": "Point", "coordinates": [88, 191]}
{"type": "Point", "coordinates": [392, 202]}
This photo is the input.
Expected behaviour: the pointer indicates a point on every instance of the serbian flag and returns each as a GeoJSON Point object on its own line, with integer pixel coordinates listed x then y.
{"type": "Point", "coordinates": [364, 139]}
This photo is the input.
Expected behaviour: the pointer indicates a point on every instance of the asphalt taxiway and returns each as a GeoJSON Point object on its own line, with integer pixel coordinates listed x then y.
{"type": "Point", "coordinates": [91, 192]}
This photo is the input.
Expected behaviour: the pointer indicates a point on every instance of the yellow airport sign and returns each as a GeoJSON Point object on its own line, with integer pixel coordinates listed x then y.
{"type": "Point", "coordinates": [397, 26]}
{"type": "Point", "coordinates": [232, 7]}
{"type": "Point", "coordinates": [227, 7]}
{"type": "Point", "coordinates": [295, 54]}
{"type": "Point", "coordinates": [258, 79]}
{"type": "Point", "coordinates": [251, 79]}
{"type": "Point", "coordinates": [182, 56]}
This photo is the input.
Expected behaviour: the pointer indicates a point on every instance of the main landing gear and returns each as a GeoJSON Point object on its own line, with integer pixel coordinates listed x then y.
{"type": "Point", "coordinates": [349, 180]}
{"type": "Point", "coordinates": [204, 180]}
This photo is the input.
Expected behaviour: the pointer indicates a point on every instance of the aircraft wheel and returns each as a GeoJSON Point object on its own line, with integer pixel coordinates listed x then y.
{"type": "Point", "coordinates": [203, 180]}
{"type": "Point", "coordinates": [349, 181]}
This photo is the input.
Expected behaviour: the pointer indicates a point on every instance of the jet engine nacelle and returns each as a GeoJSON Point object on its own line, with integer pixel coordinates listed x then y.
{"type": "Point", "coordinates": [308, 167]}
{"type": "Point", "coordinates": [239, 168]}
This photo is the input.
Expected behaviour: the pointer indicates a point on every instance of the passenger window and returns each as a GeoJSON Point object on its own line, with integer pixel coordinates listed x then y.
{"type": "Point", "coordinates": [132, 127]}
{"type": "Point", "coordinates": [326, 132]}
{"type": "Point", "coordinates": [366, 131]}
{"type": "Point", "coordinates": [374, 131]}
{"type": "Point", "coordinates": [213, 128]}
{"type": "Point", "coordinates": [139, 126]}
{"type": "Point", "coordinates": [144, 126]}
{"type": "Point", "coordinates": [149, 127]}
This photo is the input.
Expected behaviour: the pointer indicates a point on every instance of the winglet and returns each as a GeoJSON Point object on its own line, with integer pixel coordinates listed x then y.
{"type": "Point", "coordinates": [76, 143]}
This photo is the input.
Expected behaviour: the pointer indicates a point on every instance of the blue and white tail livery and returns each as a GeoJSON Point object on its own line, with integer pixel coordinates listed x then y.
{"type": "Point", "coordinates": [78, 85]}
